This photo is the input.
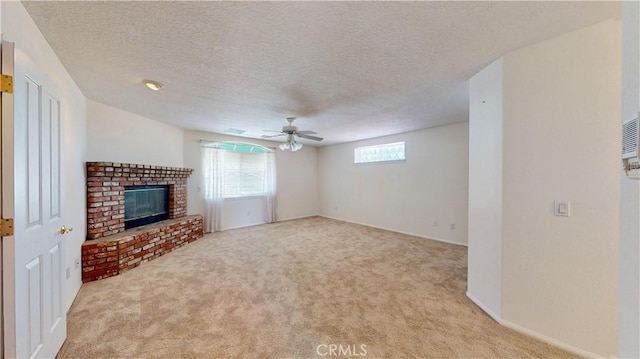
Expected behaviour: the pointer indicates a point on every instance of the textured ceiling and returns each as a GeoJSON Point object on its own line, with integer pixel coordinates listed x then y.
{"type": "Point", "coordinates": [347, 70]}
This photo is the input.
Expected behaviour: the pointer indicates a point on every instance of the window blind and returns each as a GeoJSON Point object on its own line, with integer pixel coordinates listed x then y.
{"type": "Point", "coordinates": [243, 174]}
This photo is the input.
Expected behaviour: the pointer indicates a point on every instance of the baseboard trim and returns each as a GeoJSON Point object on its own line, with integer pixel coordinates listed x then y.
{"type": "Point", "coordinates": [294, 218]}
{"type": "Point", "coordinates": [549, 340]}
{"type": "Point", "coordinates": [279, 220]}
{"type": "Point", "coordinates": [532, 333]}
{"type": "Point", "coordinates": [396, 231]}
{"type": "Point", "coordinates": [238, 227]}
{"type": "Point", "coordinates": [484, 308]}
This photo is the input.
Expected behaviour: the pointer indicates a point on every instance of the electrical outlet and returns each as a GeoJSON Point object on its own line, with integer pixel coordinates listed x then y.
{"type": "Point", "coordinates": [453, 226]}
{"type": "Point", "coordinates": [68, 272]}
{"type": "Point", "coordinates": [248, 213]}
{"type": "Point", "coordinates": [77, 264]}
{"type": "Point", "coordinates": [435, 223]}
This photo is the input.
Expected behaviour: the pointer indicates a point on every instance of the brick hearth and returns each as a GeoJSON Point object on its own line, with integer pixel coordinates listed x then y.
{"type": "Point", "coordinates": [112, 255]}
{"type": "Point", "coordinates": [109, 249]}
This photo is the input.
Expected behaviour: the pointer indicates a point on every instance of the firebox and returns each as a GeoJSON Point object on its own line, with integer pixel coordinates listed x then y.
{"type": "Point", "coordinates": [145, 204]}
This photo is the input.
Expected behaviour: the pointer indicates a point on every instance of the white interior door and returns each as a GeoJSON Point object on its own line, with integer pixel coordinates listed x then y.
{"type": "Point", "coordinates": [40, 318]}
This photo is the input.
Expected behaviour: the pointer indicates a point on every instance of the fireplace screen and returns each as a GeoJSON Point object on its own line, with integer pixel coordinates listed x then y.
{"type": "Point", "coordinates": [145, 204]}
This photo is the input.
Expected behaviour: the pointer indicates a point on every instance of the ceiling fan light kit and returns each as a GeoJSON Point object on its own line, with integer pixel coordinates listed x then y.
{"type": "Point", "coordinates": [292, 132]}
{"type": "Point", "coordinates": [292, 145]}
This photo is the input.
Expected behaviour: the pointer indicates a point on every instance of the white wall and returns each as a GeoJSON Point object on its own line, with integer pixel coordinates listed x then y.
{"type": "Point", "coordinates": [18, 27]}
{"type": "Point", "coordinates": [562, 142]}
{"type": "Point", "coordinates": [115, 135]}
{"type": "Point", "coordinates": [431, 185]}
{"type": "Point", "coordinates": [629, 301]}
{"type": "Point", "coordinates": [297, 177]}
{"type": "Point", "coordinates": [484, 280]}
{"type": "Point", "coordinates": [297, 183]}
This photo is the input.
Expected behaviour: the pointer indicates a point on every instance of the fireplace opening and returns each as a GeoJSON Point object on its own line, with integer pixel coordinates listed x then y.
{"type": "Point", "coordinates": [145, 205]}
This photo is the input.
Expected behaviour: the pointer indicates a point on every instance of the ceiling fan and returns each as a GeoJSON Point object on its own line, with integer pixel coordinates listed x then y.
{"type": "Point", "coordinates": [292, 132]}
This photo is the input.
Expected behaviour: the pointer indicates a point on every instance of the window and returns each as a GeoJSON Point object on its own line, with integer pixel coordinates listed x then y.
{"type": "Point", "coordinates": [243, 174]}
{"type": "Point", "coordinates": [240, 147]}
{"type": "Point", "coordinates": [379, 153]}
{"type": "Point", "coordinates": [235, 170]}
{"type": "Point", "coordinates": [239, 168]}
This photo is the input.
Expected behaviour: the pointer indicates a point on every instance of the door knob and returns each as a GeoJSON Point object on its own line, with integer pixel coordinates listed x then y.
{"type": "Point", "coordinates": [65, 230]}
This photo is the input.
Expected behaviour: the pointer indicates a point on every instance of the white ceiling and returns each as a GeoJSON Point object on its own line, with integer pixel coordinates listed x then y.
{"type": "Point", "coordinates": [347, 70]}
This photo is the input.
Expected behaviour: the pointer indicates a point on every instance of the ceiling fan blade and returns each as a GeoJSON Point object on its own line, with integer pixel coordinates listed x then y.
{"type": "Point", "coordinates": [309, 137]}
{"type": "Point", "coordinates": [306, 132]}
{"type": "Point", "coordinates": [278, 135]}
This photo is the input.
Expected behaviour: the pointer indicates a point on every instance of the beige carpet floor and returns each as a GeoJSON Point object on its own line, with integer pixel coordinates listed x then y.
{"type": "Point", "coordinates": [290, 290]}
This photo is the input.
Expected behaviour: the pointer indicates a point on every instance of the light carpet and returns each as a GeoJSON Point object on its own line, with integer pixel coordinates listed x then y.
{"type": "Point", "coordinates": [291, 290]}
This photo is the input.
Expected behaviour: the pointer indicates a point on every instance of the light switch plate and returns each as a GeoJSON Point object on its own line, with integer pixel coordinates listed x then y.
{"type": "Point", "coordinates": [562, 208]}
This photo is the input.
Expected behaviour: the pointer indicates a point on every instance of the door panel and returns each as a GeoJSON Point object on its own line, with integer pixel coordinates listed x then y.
{"type": "Point", "coordinates": [55, 298]}
{"type": "Point", "coordinates": [34, 275]}
{"type": "Point", "coordinates": [54, 124]}
{"type": "Point", "coordinates": [33, 125]}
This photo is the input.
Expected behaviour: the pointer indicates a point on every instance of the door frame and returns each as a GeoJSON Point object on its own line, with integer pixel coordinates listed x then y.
{"type": "Point", "coordinates": [8, 197]}
{"type": "Point", "coordinates": [1, 239]}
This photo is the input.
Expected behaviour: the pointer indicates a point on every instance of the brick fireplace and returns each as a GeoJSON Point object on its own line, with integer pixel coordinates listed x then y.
{"type": "Point", "coordinates": [106, 182]}
{"type": "Point", "coordinates": [110, 249]}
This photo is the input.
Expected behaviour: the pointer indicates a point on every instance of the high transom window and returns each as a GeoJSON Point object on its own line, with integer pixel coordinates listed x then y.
{"type": "Point", "coordinates": [241, 147]}
{"type": "Point", "coordinates": [380, 153]}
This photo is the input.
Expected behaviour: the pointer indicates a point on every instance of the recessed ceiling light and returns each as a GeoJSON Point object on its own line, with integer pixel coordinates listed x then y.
{"type": "Point", "coordinates": [154, 85]}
